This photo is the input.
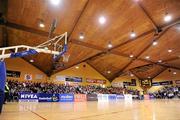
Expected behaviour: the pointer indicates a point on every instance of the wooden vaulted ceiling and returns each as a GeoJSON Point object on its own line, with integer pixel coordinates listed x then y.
{"type": "Point", "coordinates": [144, 17]}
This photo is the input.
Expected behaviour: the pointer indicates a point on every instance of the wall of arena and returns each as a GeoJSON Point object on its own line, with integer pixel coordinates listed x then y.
{"type": "Point", "coordinates": [27, 71]}
{"type": "Point", "coordinates": [119, 82]}
{"type": "Point", "coordinates": [84, 71]}
{"type": "Point", "coordinates": [166, 76]}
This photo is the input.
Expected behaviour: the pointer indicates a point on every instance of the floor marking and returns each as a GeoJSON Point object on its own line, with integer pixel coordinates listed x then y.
{"type": "Point", "coordinates": [36, 114]}
{"type": "Point", "coordinates": [103, 114]}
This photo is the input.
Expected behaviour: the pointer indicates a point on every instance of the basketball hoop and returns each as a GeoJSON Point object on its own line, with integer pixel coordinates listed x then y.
{"type": "Point", "coordinates": [66, 57]}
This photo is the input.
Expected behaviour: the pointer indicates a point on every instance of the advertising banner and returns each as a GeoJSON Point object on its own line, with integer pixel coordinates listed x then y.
{"type": "Point", "coordinates": [128, 97]}
{"type": "Point", "coordinates": [28, 97]}
{"type": "Point", "coordinates": [98, 81]}
{"type": "Point", "coordinates": [66, 98]}
{"type": "Point", "coordinates": [177, 81]}
{"type": "Point", "coordinates": [44, 97]}
{"type": "Point", "coordinates": [119, 97]}
{"type": "Point", "coordinates": [162, 83]}
{"type": "Point", "coordinates": [102, 97]}
{"type": "Point", "coordinates": [73, 79]}
{"type": "Point", "coordinates": [146, 97]}
{"type": "Point", "coordinates": [80, 98]}
{"type": "Point", "coordinates": [92, 97]}
{"type": "Point", "coordinates": [15, 74]}
{"type": "Point", "coordinates": [112, 96]}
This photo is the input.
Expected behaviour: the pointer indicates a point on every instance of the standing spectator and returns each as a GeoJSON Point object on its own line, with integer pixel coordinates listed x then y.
{"type": "Point", "coordinates": [6, 93]}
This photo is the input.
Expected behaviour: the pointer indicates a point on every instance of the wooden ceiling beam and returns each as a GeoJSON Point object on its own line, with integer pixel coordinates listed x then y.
{"type": "Point", "coordinates": [165, 68]}
{"type": "Point", "coordinates": [97, 70]}
{"type": "Point", "coordinates": [135, 75]}
{"type": "Point", "coordinates": [104, 51]}
{"type": "Point", "coordinates": [149, 17]}
{"type": "Point", "coordinates": [78, 19]}
{"type": "Point", "coordinates": [43, 33]}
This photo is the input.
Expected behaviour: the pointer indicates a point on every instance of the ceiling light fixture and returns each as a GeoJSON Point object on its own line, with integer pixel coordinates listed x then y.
{"type": "Point", "coordinates": [108, 71]}
{"type": "Point", "coordinates": [110, 45]}
{"type": "Point", "coordinates": [41, 25]}
{"type": "Point", "coordinates": [155, 43]}
{"type": "Point", "coordinates": [131, 56]}
{"type": "Point", "coordinates": [147, 57]}
{"type": "Point", "coordinates": [167, 17]}
{"type": "Point", "coordinates": [133, 34]}
{"type": "Point", "coordinates": [131, 75]}
{"type": "Point", "coordinates": [102, 20]}
{"type": "Point", "coordinates": [55, 2]}
{"type": "Point", "coordinates": [31, 60]}
{"type": "Point", "coordinates": [174, 73]}
{"type": "Point", "coordinates": [159, 61]}
{"type": "Point", "coordinates": [169, 50]}
{"type": "Point", "coordinates": [81, 36]}
{"type": "Point", "coordinates": [77, 67]}
{"type": "Point", "coordinates": [149, 77]}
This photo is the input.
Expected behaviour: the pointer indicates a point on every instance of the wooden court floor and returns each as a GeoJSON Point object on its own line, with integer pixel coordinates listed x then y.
{"type": "Point", "coordinates": [120, 110]}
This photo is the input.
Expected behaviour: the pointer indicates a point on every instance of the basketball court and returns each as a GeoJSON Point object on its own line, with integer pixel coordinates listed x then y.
{"type": "Point", "coordinates": [89, 59]}
{"type": "Point", "coordinates": [137, 110]}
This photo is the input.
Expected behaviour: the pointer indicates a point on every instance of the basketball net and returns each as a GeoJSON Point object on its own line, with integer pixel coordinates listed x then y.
{"type": "Point", "coordinates": [66, 57]}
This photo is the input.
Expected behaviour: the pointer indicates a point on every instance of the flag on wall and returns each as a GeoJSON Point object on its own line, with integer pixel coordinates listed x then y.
{"type": "Point", "coordinates": [28, 77]}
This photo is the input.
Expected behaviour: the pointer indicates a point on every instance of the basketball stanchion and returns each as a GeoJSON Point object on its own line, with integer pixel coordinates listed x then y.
{"type": "Point", "coordinates": [56, 46]}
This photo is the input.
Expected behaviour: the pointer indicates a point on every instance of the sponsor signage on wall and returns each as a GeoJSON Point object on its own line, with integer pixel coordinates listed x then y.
{"type": "Point", "coordinates": [73, 79]}
{"type": "Point", "coordinates": [132, 83]}
{"type": "Point", "coordinates": [60, 78]}
{"type": "Point", "coordinates": [80, 98]}
{"type": "Point", "coordinates": [88, 80]}
{"type": "Point", "coordinates": [66, 98]}
{"type": "Point", "coordinates": [28, 97]}
{"type": "Point", "coordinates": [44, 97]}
{"type": "Point", "coordinates": [177, 81]}
{"type": "Point", "coordinates": [92, 97]}
{"type": "Point", "coordinates": [15, 74]}
{"type": "Point", "coordinates": [162, 83]}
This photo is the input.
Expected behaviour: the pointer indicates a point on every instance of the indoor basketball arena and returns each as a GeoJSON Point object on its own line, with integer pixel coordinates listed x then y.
{"type": "Point", "coordinates": [89, 59]}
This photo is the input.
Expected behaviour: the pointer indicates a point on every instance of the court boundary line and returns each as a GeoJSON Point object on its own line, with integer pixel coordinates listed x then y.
{"type": "Point", "coordinates": [37, 114]}
{"type": "Point", "coordinates": [96, 115]}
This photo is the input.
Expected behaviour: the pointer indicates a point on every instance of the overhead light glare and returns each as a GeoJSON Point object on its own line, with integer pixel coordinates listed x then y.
{"type": "Point", "coordinates": [155, 43]}
{"type": "Point", "coordinates": [133, 34]}
{"type": "Point", "coordinates": [55, 2]}
{"type": "Point", "coordinates": [147, 57]}
{"type": "Point", "coordinates": [169, 50]}
{"type": "Point", "coordinates": [77, 67]}
{"type": "Point", "coordinates": [174, 73]}
{"type": "Point", "coordinates": [81, 36]}
{"type": "Point", "coordinates": [160, 61]}
{"type": "Point", "coordinates": [31, 61]}
{"type": "Point", "coordinates": [131, 56]}
{"type": "Point", "coordinates": [102, 20]}
{"type": "Point", "coordinates": [167, 17]}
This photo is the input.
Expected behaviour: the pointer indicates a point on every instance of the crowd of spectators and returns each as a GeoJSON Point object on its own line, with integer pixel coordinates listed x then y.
{"type": "Point", "coordinates": [167, 92]}
{"type": "Point", "coordinates": [15, 87]}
